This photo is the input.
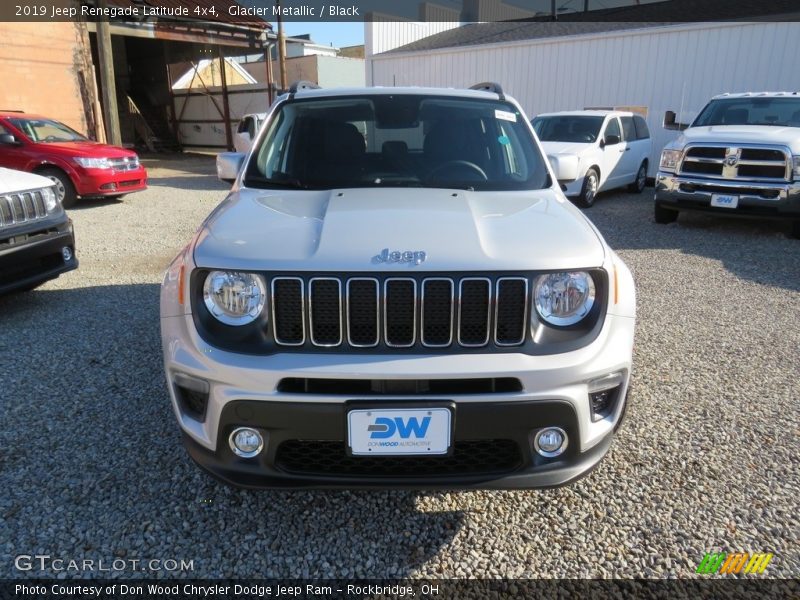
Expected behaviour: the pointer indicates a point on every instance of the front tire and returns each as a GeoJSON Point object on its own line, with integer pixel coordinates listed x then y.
{"type": "Point", "coordinates": [65, 191]}
{"type": "Point", "coordinates": [637, 187]}
{"type": "Point", "coordinates": [591, 182]}
{"type": "Point", "coordinates": [663, 216]}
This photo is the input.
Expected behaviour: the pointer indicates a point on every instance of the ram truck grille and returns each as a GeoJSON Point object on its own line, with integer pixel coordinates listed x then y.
{"type": "Point", "coordinates": [21, 207]}
{"type": "Point", "coordinates": [737, 163]}
{"type": "Point", "coordinates": [399, 312]}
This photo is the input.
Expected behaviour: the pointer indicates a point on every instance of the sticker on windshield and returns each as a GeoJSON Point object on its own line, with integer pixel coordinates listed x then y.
{"type": "Point", "coordinates": [503, 139]}
{"type": "Point", "coordinates": [505, 116]}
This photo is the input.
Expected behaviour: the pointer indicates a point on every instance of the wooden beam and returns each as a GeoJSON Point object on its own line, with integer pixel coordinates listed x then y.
{"type": "Point", "coordinates": [226, 109]}
{"type": "Point", "coordinates": [107, 81]}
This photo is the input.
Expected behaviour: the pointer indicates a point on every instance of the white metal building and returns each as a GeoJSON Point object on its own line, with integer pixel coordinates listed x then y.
{"type": "Point", "coordinates": [564, 66]}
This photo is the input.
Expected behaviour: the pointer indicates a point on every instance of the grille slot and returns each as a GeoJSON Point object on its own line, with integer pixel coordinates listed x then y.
{"type": "Point", "coordinates": [362, 312]}
{"type": "Point", "coordinates": [437, 312]}
{"type": "Point", "coordinates": [473, 311]}
{"type": "Point", "coordinates": [393, 387]}
{"type": "Point", "coordinates": [329, 458]}
{"type": "Point", "coordinates": [288, 311]}
{"type": "Point", "coordinates": [511, 311]}
{"type": "Point", "coordinates": [400, 308]}
{"type": "Point", "coordinates": [22, 207]}
{"type": "Point", "coordinates": [325, 311]}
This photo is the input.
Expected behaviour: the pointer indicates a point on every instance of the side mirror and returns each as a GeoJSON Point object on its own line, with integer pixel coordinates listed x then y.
{"type": "Point", "coordinates": [565, 167]}
{"type": "Point", "coordinates": [611, 140]}
{"type": "Point", "coordinates": [670, 122]}
{"type": "Point", "coordinates": [9, 140]}
{"type": "Point", "coordinates": [228, 165]}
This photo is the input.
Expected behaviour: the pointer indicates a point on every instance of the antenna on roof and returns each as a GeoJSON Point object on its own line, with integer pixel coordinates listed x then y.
{"type": "Point", "coordinates": [489, 86]}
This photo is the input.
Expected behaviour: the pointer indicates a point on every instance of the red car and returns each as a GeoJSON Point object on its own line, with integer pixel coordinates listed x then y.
{"type": "Point", "coordinates": [79, 167]}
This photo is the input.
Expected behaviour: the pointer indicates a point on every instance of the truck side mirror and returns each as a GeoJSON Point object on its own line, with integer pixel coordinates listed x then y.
{"type": "Point", "coordinates": [670, 122]}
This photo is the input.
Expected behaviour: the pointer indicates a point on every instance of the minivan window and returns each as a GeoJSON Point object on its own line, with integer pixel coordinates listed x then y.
{"type": "Point", "coordinates": [642, 132]}
{"type": "Point", "coordinates": [612, 128]}
{"type": "Point", "coordinates": [401, 140]}
{"type": "Point", "coordinates": [568, 128]}
{"type": "Point", "coordinates": [628, 129]}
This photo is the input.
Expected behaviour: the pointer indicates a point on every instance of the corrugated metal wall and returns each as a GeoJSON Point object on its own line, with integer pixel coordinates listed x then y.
{"type": "Point", "coordinates": [677, 67]}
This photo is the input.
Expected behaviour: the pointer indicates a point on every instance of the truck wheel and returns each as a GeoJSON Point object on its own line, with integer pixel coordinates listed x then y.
{"type": "Point", "coordinates": [589, 189]}
{"type": "Point", "coordinates": [665, 215]}
{"type": "Point", "coordinates": [64, 188]}
{"type": "Point", "coordinates": [637, 187]}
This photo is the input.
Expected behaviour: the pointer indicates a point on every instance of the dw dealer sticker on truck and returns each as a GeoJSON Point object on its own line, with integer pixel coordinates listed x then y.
{"type": "Point", "coordinates": [504, 115]}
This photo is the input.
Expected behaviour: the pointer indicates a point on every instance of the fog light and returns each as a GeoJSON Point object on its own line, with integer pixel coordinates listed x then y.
{"type": "Point", "coordinates": [66, 253]}
{"type": "Point", "coordinates": [246, 442]}
{"type": "Point", "coordinates": [550, 442]}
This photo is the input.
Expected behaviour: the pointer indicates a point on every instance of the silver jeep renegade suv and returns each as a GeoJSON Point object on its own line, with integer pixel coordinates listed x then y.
{"type": "Point", "coordinates": [396, 293]}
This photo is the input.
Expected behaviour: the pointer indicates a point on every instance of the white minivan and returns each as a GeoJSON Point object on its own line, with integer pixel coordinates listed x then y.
{"type": "Point", "coordinates": [612, 147]}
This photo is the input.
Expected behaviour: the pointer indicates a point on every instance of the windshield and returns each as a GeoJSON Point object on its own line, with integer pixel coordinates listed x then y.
{"type": "Point", "coordinates": [568, 128]}
{"type": "Point", "coordinates": [45, 130]}
{"type": "Point", "coordinates": [780, 112]}
{"type": "Point", "coordinates": [397, 140]}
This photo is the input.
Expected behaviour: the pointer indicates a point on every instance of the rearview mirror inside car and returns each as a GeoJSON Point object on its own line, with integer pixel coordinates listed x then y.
{"type": "Point", "coordinates": [228, 165]}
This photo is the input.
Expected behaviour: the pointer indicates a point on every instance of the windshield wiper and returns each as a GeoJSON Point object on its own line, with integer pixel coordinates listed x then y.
{"type": "Point", "coordinates": [265, 181]}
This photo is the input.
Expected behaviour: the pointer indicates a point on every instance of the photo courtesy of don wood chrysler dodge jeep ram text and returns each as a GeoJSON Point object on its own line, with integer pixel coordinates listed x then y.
{"type": "Point", "coordinates": [397, 293]}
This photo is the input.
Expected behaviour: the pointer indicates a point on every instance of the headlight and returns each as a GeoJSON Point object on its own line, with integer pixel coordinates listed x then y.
{"type": "Point", "coordinates": [670, 159]}
{"type": "Point", "coordinates": [564, 298]}
{"type": "Point", "coordinates": [234, 298]}
{"type": "Point", "coordinates": [93, 163]}
{"type": "Point", "coordinates": [50, 199]}
{"type": "Point", "coordinates": [796, 169]}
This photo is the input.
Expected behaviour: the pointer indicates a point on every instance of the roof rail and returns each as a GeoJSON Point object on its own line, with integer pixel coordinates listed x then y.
{"type": "Point", "coordinates": [298, 86]}
{"type": "Point", "coordinates": [489, 86]}
{"type": "Point", "coordinates": [11, 110]}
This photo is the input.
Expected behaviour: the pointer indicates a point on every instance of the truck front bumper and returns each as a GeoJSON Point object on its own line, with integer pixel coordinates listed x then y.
{"type": "Point", "coordinates": [775, 200]}
{"type": "Point", "coordinates": [304, 427]}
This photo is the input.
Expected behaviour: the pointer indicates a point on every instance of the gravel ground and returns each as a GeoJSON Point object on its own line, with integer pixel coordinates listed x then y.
{"type": "Point", "coordinates": [92, 467]}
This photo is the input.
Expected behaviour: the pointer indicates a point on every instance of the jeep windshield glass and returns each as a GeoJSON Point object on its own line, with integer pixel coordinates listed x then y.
{"type": "Point", "coordinates": [568, 128]}
{"type": "Point", "coordinates": [46, 130]}
{"type": "Point", "coordinates": [780, 112]}
{"type": "Point", "coordinates": [402, 140]}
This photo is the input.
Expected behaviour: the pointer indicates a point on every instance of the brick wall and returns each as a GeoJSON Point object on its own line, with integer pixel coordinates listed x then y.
{"type": "Point", "coordinates": [46, 68]}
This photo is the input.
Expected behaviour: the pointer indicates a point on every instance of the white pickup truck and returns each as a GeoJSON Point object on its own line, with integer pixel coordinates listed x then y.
{"type": "Point", "coordinates": [396, 292]}
{"type": "Point", "coordinates": [740, 156]}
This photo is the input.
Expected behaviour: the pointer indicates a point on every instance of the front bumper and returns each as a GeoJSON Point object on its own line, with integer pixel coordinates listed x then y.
{"type": "Point", "coordinates": [109, 182]}
{"type": "Point", "coordinates": [776, 200]}
{"type": "Point", "coordinates": [246, 390]}
{"type": "Point", "coordinates": [34, 257]}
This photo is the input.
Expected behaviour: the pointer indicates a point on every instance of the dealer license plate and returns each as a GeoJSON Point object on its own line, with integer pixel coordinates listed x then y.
{"type": "Point", "coordinates": [399, 431]}
{"type": "Point", "coordinates": [724, 201]}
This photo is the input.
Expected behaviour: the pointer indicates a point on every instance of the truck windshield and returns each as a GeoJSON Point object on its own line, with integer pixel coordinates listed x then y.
{"type": "Point", "coordinates": [402, 140]}
{"type": "Point", "coordinates": [46, 130]}
{"type": "Point", "coordinates": [568, 128]}
{"type": "Point", "coordinates": [780, 112]}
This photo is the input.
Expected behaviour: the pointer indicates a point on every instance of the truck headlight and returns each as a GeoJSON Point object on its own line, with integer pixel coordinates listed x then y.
{"type": "Point", "coordinates": [670, 159]}
{"type": "Point", "coordinates": [93, 163]}
{"type": "Point", "coordinates": [796, 167]}
{"type": "Point", "coordinates": [50, 199]}
{"type": "Point", "coordinates": [234, 298]}
{"type": "Point", "coordinates": [564, 299]}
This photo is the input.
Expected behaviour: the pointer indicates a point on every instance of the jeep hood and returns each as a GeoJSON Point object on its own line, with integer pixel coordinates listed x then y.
{"type": "Point", "coordinates": [12, 181]}
{"type": "Point", "coordinates": [743, 134]}
{"type": "Point", "coordinates": [343, 230]}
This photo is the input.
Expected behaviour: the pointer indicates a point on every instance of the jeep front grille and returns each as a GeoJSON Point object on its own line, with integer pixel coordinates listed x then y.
{"type": "Point", "coordinates": [21, 207]}
{"type": "Point", "coordinates": [399, 312]}
{"type": "Point", "coordinates": [737, 162]}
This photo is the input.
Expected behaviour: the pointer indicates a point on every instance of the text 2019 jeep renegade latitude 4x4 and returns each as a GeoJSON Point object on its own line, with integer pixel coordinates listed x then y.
{"type": "Point", "coordinates": [397, 293]}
